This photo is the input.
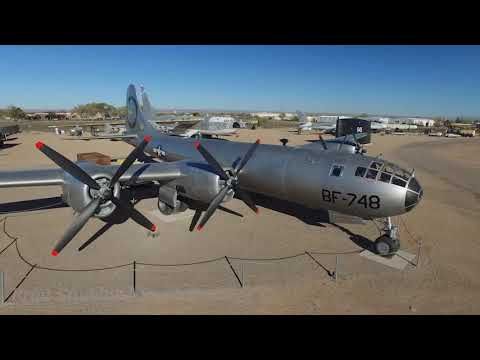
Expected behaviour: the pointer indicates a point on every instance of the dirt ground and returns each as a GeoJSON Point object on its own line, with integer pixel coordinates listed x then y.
{"type": "Point", "coordinates": [446, 223]}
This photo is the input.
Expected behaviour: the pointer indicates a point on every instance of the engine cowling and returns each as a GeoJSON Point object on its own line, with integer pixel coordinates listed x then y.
{"type": "Point", "coordinates": [200, 183]}
{"type": "Point", "coordinates": [78, 195]}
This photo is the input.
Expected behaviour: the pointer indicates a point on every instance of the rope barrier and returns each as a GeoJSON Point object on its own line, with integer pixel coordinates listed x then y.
{"type": "Point", "coordinates": [135, 263]}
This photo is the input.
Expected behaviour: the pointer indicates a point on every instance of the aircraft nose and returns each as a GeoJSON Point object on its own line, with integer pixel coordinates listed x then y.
{"type": "Point", "coordinates": [414, 194]}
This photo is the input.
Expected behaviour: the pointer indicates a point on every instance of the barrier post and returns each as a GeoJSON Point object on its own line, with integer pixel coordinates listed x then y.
{"type": "Point", "coordinates": [134, 277]}
{"type": "Point", "coordinates": [2, 297]}
{"type": "Point", "coordinates": [336, 268]}
{"type": "Point", "coordinates": [241, 267]}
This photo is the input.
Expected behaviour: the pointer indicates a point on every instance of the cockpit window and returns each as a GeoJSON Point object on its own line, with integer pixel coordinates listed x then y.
{"type": "Point", "coordinates": [376, 165]}
{"type": "Point", "coordinates": [388, 169]}
{"type": "Point", "coordinates": [402, 174]}
{"type": "Point", "coordinates": [371, 174]}
{"type": "Point", "coordinates": [385, 177]}
{"type": "Point", "coordinates": [360, 171]}
{"type": "Point", "coordinates": [414, 185]}
{"type": "Point", "coordinates": [399, 182]}
{"type": "Point", "coordinates": [336, 170]}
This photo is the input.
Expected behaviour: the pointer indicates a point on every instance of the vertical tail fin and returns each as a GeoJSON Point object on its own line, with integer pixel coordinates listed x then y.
{"type": "Point", "coordinates": [138, 120]}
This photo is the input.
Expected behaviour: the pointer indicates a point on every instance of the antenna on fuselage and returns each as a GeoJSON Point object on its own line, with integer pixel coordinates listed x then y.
{"type": "Point", "coordinates": [324, 144]}
{"type": "Point", "coordinates": [343, 142]}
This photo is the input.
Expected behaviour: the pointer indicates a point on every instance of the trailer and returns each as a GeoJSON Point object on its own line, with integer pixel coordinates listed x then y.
{"type": "Point", "coordinates": [7, 131]}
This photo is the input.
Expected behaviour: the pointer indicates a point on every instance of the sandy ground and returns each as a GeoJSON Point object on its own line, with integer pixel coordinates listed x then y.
{"type": "Point", "coordinates": [446, 222]}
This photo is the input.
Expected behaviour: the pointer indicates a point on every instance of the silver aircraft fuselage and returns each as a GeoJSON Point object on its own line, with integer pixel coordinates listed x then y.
{"type": "Point", "coordinates": [304, 175]}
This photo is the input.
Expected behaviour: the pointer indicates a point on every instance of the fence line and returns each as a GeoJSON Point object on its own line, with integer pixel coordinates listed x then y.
{"type": "Point", "coordinates": [309, 254]}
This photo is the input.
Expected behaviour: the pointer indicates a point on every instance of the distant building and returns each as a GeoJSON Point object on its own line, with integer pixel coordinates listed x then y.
{"type": "Point", "coordinates": [268, 115]}
{"type": "Point", "coordinates": [420, 121]}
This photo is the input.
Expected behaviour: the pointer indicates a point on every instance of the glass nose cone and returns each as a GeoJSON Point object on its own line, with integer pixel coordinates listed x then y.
{"type": "Point", "coordinates": [413, 195]}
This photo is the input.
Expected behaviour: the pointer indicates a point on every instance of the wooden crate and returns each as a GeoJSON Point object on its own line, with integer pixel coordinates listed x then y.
{"type": "Point", "coordinates": [95, 157]}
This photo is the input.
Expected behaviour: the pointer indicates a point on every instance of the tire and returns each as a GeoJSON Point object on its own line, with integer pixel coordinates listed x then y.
{"type": "Point", "coordinates": [386, 246]}
{"type": "Point", "coordinates": [164, 208]}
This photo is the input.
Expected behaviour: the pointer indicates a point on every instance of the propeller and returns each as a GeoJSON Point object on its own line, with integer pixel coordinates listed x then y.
{"type": "Point", "coordinates": [102, 193]}
{"type": "Point", "coordinates": [231, 183]}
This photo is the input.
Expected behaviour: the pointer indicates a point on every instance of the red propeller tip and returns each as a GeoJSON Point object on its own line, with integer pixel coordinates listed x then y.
{"type": "Point", "coordinates": [147, 138]}
{"type": "Point", "coordinates": [54, 252]}
{"type": "Point", "coordinates": [258, 141]}
{"type": "Point", "coordinates": [153, 228]}
{"type": "Point", "coordinates": [197, 144]}
{"type": "Point", "coordinates": [39, 145]}
{"type": "Point", "coordinates": [257, 211]}
{"type": "Point", "coordinates": [199, 227]}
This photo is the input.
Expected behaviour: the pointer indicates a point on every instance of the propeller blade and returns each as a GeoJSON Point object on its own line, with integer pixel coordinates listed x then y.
{"type": "Point", "coordinates": [134, 214]}
{"type": "Point", "coordinates": [220, 207]}
{"type": "Point", "coordinates": [212, 207]}
{"type": "Point", "coordinates": [195, 219]}
{"type": "Point", "coordinates": [247, 156]}
{"type": "Point", "coordinates": [96, 236]}
{"type": "Point", "coordinates": [78, 223]}
{"type": "Point", "coordinates": [211, 161]}
{"type": "Point", "coordinates": [134, 155]}
{"type": "Point", "coordinates": [324, 144]}
{"type": "Point", "coordinates": [67, 165]}
{"type": "Point", "coordinates": [246, 198]}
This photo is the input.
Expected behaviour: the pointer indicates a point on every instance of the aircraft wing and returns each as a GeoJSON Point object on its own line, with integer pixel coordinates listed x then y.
{"type": "Point", "coordinates": [96, 124]}
{"type": "Point", "coordinates": [55, 176]}
{"type": "Point", "coordinates": [224, 132]}
{"type": "Point", "coordinates": [183, 126]}
{"type": "Point", "coordinates": [100, 137]}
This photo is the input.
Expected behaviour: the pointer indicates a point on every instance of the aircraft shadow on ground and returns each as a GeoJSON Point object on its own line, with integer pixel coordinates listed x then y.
{"type": "Point", "coordinates": [32, 205]}
{"type": "Point", "coordinates": [311, 217]}
{"type": "Point", "coordinates": [8, 146]}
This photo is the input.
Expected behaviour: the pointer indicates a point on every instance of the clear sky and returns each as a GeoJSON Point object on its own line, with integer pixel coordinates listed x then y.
{"type": "Point", "coordinates": [404, 80]}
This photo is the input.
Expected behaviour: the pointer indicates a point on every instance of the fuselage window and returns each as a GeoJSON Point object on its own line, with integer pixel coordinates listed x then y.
{"type": "Point", "coordinates": [371, 174]}
{"type": "Point", "coordinates": [336, 170]}
{"type": "Point", "coordinates": [360, 171]}
{"type": "Point", "coordinates": [385, 177]}
{"type": "Point", "coordinates": [399, 182]}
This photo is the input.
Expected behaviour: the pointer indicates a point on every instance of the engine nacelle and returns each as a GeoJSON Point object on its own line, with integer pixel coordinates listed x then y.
{"type": "Point", "coordinates": [200, 183]}
{"type": "Point", "coordinates": [78, 195]}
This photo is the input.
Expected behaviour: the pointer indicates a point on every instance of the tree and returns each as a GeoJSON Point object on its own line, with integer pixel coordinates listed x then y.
{"type": "Point", "coordinates": [15, 112]}
{"type": "Point", "coordinates": [92, 109]}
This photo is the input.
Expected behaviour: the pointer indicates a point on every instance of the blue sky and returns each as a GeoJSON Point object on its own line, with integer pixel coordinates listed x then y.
{"type": "Point", "coordinates": [408, 80]}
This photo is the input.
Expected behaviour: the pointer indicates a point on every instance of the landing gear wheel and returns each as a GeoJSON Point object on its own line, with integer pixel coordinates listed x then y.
{"type": "Point", "coordinates": [165, 209]}
{"type": "Point", "coordinates": [386, 246]}
{"type": "Point", "coordinates": [183, 207]}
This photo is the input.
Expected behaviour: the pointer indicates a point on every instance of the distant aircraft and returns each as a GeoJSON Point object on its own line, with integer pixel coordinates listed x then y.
{"type": "Point", "coordinates": [6, 131]}
{"type": "Point", "coordinates": [329, 126]}
{"type": "Point", "coordinates": [327, 176]}
{"type": "Point", "coordinates": [207, 126]}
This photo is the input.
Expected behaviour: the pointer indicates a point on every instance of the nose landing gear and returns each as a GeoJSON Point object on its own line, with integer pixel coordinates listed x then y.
{"type": "Point", "coordinates": [388, 244]}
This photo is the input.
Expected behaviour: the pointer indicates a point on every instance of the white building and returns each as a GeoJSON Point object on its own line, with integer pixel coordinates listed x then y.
{"type": "Point", "coordinates": [275, 116]}
{"type": "Point", "coordinates": [420, 121]}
